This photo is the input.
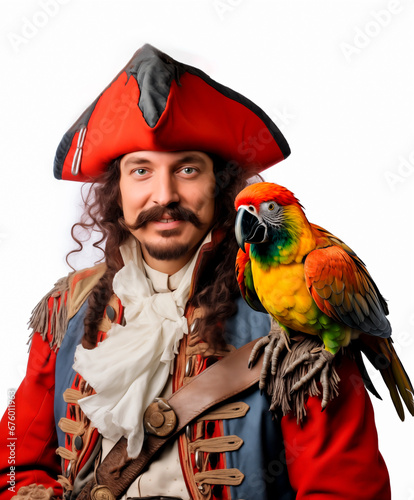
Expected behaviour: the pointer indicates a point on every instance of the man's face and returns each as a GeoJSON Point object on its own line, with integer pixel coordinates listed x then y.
{"type": "Point", "coordinates": [168, 196]}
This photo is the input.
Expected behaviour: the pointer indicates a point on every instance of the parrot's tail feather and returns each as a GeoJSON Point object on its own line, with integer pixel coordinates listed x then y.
{"type": "Point", "coordinates": [388, 377]}
{"type": "Point", "coordinates": [364, 374]}
{"type": "Point", "coordinates": [399, 375]}
{"type": "Point", "coordinates": [382, 355]}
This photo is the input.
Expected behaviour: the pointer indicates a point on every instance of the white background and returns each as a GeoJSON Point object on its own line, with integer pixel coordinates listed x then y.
{"type": "Point", "coordinates": [343, 98]}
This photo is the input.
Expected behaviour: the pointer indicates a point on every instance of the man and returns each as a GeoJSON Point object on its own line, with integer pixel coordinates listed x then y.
{"type": "Point", "coordinates": [167, 148]}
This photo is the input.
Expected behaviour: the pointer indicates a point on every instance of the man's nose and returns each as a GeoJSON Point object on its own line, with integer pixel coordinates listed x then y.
{"type": "Point", "coordinates": [165, 190]}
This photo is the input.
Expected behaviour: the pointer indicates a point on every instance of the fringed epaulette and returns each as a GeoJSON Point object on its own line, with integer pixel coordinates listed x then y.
{"type": "Point", "coordinates": [51, 315]}
{"type": "Point", "coordinates": [56, 318]}
{"type": "Point", "coordinates": [34, 491]}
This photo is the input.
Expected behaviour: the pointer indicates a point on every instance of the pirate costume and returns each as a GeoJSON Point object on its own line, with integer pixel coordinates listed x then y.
{"type": "Point", "coordinates": [86, 422]}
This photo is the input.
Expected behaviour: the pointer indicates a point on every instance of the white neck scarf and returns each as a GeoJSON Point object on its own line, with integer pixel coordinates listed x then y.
{"type": "Point", "coordinates": [131, 366]}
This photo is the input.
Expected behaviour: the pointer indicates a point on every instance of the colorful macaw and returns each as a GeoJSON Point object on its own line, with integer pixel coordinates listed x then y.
{"type": "Point", "coordinates": [310, 281]}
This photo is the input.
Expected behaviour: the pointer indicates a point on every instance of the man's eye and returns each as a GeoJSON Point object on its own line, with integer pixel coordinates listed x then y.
{"type": "Point", "coordinates": [188, 170]}
{"type": "Point", "coordinates": [140, 171]}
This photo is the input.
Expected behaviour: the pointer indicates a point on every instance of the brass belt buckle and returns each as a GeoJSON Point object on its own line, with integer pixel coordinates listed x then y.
{"type": "Point", "coordinates": [159, 418]}
{"type": "Point", "coordinates": [102, 492]}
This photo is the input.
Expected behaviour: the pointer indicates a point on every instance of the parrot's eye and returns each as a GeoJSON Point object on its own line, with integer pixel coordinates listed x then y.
{"type": "Point", "coordinates": [271, 206]}
{"type": "Point", "coordinates": [251, 208]}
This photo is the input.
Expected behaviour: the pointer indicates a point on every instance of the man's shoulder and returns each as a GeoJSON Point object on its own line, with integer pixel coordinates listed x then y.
{"type": "Point", "coordinates": [51, 315]}
{"type": "Point", "coordinates": [80, 285]}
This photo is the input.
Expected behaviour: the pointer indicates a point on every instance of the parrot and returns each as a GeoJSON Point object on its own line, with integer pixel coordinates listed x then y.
{"type": "Point", "coordinates": [310, 281]}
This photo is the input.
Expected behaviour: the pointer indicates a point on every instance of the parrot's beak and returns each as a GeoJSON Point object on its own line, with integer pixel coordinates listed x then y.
{"type": "Point", "coordinates": [249, 228]}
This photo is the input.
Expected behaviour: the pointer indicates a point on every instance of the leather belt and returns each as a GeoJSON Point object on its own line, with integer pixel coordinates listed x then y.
{"type": "Point", "coordinates": [221, 381]}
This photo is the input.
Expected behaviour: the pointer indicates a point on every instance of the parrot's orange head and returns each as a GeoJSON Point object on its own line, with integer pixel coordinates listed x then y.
{"type": "Point", "coordinates": [266, 212]}
{"type": "Point", "coordinates": [264, 192]}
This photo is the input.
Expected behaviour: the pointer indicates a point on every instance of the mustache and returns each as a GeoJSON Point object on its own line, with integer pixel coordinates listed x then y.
{"type": "Point", "coordinates": [158, 212]}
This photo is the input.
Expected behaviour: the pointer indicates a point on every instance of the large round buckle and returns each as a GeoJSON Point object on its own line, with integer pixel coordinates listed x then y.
{"type": "Point", "coordinates": [159, 418]}
{"type": "Point", "coordinates": [102, 492]}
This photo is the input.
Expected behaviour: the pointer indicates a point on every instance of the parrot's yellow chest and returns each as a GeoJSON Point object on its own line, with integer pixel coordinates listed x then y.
{"type": "Point", "coordinates": [283, 292]}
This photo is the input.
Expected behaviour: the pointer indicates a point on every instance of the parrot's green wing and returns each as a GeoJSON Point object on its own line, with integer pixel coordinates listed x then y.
{"type": "Point", "coordinates": [343, 289]}
{"type": "Point", "coordinates": [245, 280]}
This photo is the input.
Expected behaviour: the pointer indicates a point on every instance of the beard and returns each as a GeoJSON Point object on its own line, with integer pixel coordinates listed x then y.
{"type": "Point", "coordinates": [169, 251]}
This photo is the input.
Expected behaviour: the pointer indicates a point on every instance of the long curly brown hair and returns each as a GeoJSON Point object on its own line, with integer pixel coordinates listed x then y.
{"type": "Point", "coordinates": [216, 287]}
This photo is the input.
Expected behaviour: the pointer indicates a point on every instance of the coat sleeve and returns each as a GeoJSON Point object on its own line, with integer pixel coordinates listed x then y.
{"type": "Point", "coordinates": [334, 454]}
{"type": "Point", "coordinates": [28, 438]}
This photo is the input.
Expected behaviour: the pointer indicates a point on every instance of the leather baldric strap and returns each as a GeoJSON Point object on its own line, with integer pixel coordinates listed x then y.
{"type": "Point", "coordinates": [221, 381]}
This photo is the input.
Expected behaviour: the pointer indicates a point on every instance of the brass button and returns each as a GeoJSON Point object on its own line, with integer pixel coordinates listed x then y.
{"type": "Point", "coordinates": [102, 493]}
{"type": "Point", "coordinates": [159, 418]}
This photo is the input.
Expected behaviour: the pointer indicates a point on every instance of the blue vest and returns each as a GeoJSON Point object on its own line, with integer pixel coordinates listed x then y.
{"type": "Point", "coordinates": [261, 458]}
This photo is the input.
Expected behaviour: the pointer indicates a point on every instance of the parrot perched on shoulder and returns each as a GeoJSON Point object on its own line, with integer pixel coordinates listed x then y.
{"type": "Point", "coordinates": [310, 281]}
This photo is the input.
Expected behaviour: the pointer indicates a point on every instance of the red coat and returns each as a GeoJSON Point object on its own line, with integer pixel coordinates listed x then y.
{"type": "Point", "coordinates": [333, 455]}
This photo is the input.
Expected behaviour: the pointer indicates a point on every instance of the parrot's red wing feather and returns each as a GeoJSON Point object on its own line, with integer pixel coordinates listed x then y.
{"type": "Point", "coordinates": [245, 280]}
{"type": "Point", "coordinates": [343, 289]}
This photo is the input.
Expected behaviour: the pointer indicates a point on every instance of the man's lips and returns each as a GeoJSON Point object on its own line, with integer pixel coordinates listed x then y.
{"type": "Point", "coordinates": [166, 219]}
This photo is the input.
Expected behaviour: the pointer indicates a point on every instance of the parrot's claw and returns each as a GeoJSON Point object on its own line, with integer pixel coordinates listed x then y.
{"type": "Point", "coordinates": [322, 363]}
{"type": "Point", "coordinates": [256, 350]}
{"type": "Point", "coordinates": [266, 361]}
{"type": "Point", "coordinates": [280, 346]}
{"type": "Point", "coordinates": [274, 343]}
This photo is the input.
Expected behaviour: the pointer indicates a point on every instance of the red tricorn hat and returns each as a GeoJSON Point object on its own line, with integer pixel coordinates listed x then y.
{"type": "Point", "coordinates": [156, 103]}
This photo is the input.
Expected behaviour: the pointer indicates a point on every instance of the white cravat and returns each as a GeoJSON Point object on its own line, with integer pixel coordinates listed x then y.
{"type": "Point", "coordinates": [131, 366]}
